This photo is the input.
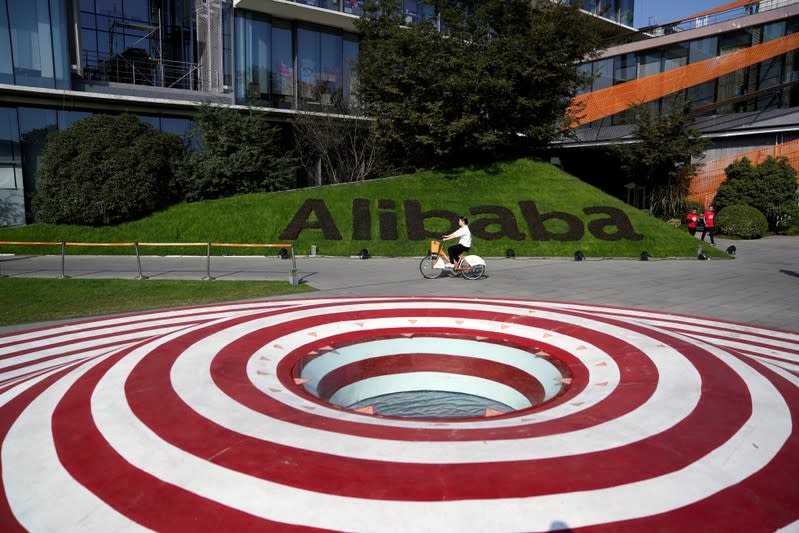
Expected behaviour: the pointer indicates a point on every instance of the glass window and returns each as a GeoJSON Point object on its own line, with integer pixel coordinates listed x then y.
{"type": "Point", "coordinates": [155, 122]}
{"type": "Point", "coordinates": [735, 40]}
{"type": "Point", "coordinates": [58, 27]}
{"type": "Point", "coordinates": [308, 62]}
{"type": "Point", "coordinates": [675, 56]}
{"type": "Point", "coordinates": [775, 30]}
{"type": "Point", "coordinates": [585, 70]}
{"type": "Point", "coordinates": [34, 126]}
{"type": "Point", "coordinates": [330, 75]}
{"type": "Point", "coordinates": [623, 68]}
{"type": "Point", "coordinates": [410, 11]}
{"type": "Point", "coordinates": [8, 176]}
{"type": "Point", "coordinates": [9, 134]}
{"type": "Point", "coordinates": [112, 8]}
{"type": "Point", "coordinates": [603, 74]}
{"type": "Point", "coordinates": [6, 66]}
{"type": "Point", "coordinates": [354, 7]}
{"type": "Point", "coordinates": [702, 94]}
{"type": "Point", "coordinates": [282, 65]}
{"type": "Point", "coordinates": [770, 75]}
{"type": "Point", "coordinates": [701, 49]}
{"type": "Point", "coordinates": [179, 126]}
{"type": "Point", "coordinates": [648, 63]}
{"type": "Point", "coordinates": [31, 44]}
{"type": "Point", "coordinates": [349, 59]}
{"type": "Point", "coordinates": [253, 36]}
{"type": "Point", "coordinates": [137, 10]}
{"type": "Point", "coordinates": [67, 118]}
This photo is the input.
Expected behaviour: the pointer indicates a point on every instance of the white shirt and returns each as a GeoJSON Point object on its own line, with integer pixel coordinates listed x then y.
{"type": "Point", "coordinates": [465, 236]}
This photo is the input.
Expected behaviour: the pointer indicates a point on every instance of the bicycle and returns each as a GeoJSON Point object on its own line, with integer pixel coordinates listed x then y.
{"type": "Point", "coordinates": [436, 262]}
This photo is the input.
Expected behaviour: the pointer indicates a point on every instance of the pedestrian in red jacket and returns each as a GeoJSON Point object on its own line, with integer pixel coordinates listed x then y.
{"type": "Point", "coordinates": [710, 225]}
{"type": "Point", "coordinates": [692, 218]}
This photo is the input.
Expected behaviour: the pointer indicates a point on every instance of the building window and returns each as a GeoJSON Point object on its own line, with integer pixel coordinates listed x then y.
{"type": "Point", "coordinates": [701, 49]}
{"type": "Point", "coordinates": [648, 63]}
{"type": "Point", "coordinates": [36, 30]}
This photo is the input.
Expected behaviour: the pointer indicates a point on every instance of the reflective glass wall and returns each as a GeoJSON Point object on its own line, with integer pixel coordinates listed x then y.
{"type": "Point", "coordinates": [23, 136]}
{"type": "Point", "coordinates": [289, 65]}
{"type": "Point", "coordinates": [33, 43]}
{"type": "Point", "coordinates": [620, 11]}
{"type": "Point", "coordinates": [143, 42]}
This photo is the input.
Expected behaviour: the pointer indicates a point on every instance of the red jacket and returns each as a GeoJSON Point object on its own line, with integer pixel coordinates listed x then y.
{"type": "Point", "coordinates": [709, 216]}
{"type": "Point", "coordinates": [692, 219]}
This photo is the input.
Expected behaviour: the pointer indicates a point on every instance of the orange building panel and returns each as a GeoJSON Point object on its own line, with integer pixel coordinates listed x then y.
{"type": "Point", "coordinates": [606, 102]}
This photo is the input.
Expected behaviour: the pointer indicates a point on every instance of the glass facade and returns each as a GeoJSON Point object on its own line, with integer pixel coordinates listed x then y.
{"type": "Point", "coordinates": [620, 11]}
{"type": "Point", "coordinates": [771, 84]}
{"type": "Point", "coordinates": [138, 42]}
{"type": "Point", "coordinates": [281, 64]}
{"type": "Point", "coordinates": [33, 43]}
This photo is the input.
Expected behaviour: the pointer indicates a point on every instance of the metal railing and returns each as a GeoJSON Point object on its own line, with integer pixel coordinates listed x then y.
{"type": "Point", "coordinates": [716, 17]}
{"type": "Point", "coordinates": [293, 279]}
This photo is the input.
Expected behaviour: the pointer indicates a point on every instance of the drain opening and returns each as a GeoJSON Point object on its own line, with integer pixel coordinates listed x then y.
{"type": "Point", "coordinates": [432, 376]}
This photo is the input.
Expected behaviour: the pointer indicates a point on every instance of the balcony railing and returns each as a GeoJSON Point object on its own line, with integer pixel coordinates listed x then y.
{"type": "Point", "coordinates": [716, 17]}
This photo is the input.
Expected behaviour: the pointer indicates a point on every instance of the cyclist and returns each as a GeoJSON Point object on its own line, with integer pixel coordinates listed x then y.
{"type": "Point", "coordinates": [464, 236]}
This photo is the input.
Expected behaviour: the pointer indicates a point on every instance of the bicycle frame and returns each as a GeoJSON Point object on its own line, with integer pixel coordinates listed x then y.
{"type": "Point", "coordinates": [436, 261]}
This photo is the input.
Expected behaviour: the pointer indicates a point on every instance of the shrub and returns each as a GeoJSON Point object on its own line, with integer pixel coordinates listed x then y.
{"type": "Point", "coordinates": [104, 170]}
{"type": "Point", "coordinates": [242, 153]}
{"type": "Point", "coordinates": [741, 221]}
{"type": "Point", "coordinates": [770, 187]}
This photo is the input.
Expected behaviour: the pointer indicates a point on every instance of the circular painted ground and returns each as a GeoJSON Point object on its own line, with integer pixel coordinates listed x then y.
{"type": "Point", "coordinates": [235, 417]}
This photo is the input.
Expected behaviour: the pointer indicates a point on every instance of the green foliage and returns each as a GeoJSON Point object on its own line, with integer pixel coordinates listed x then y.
{"type": "Point", "coordinates": [262, 217]}
{"type": "Point", "coordinates": [770, 187]}
{"type": "Point", "coordinates": [105, 170]}
{"type": "Point", "coordinates": [664, 159]}
{"type": "Point", "coordinates": [742, 221]}
{"type": "Point", "coordinates": [497, 81]}
{"type": "Point", "coordinates": [242, 152]}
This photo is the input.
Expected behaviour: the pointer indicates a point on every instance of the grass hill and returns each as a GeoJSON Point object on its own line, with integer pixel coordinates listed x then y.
{"type": "Point", "coordinates": [527, 205]}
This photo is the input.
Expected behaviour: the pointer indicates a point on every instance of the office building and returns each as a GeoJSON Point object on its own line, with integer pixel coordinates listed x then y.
{"type": "Point", "coordinates": [739, 66]}
{"type": "Point", "coordinates": [62, 60]}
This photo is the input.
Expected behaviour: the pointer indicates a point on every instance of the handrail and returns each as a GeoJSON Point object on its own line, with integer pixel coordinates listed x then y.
{"type": "Point", "coordinates": [63, 244]}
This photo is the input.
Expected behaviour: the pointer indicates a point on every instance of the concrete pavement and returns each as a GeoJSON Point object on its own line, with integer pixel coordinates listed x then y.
{"type": "Point", "coordinates": [760, 286]}
{"type": "Point", "coordinates": [245, 415]}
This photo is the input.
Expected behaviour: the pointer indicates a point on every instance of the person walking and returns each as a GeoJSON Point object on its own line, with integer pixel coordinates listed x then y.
{"type": "Point", "coordinates": [464, 235]}
{"type": "Point", "coordinates": [710, 224]}
{"type": "Point", "coordinates": [692, 218]}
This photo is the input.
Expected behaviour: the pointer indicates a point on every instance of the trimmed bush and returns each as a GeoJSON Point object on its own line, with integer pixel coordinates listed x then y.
{"type": "Point", "coordinates": [741, 221]}
{"type": "Point", "coordinates": [105, 170]}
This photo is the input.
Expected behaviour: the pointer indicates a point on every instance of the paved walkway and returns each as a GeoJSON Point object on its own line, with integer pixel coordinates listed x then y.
{"type": "Point", "coordinates": [621, 412]}
{"type": "Point", "coordinates": [760, 286]}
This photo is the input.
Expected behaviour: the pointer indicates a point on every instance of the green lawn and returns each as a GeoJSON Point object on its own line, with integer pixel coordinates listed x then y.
{"type": "Point", "coordinates": [24, 300]}
{"type": "Point", "coordinates": [381, 215]}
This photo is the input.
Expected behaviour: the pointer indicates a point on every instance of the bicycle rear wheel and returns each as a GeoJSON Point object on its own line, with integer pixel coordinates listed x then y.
{"type": "Point", "coordinates": [472, 272]}
{"type": "Point", "coordinates": [426, 267]}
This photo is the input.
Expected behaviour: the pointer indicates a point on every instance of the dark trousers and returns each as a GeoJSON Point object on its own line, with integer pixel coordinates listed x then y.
{"type": "Point", "coordinates": [454, 251]}
{"type": "Point", "coordinates": [709, 231]}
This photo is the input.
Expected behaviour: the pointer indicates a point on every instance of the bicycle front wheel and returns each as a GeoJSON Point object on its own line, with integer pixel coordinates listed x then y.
{"type": "Point", "coordinates": [426, 267]}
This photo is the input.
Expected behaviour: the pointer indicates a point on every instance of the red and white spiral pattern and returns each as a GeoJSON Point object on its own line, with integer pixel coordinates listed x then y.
{"type": "Point", "coordinates": [194, 420]}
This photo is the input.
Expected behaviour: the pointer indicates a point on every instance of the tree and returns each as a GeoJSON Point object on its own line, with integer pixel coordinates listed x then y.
{"type": "Point", "coordinates": [335, 146]}
{"type": "Point", "coordinates": [769, 187]}
{"type": "Point", "coordinates": [496, 81]}
{"type": "Point", "coordinates": [105, 170]}
{"type": "Point", "coordinates": [241, 153]}
{"type": "Point", "coordinates": [664, 158]}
